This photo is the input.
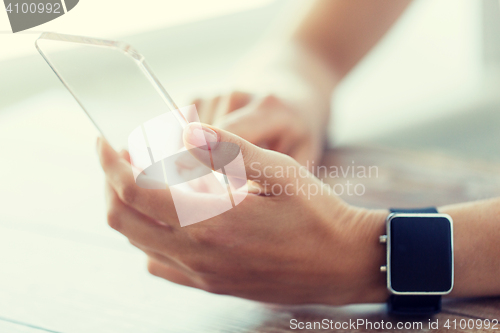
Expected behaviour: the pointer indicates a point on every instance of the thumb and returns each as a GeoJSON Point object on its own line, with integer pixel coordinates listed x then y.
{"type": "Point", "coordinates": [218, 149]}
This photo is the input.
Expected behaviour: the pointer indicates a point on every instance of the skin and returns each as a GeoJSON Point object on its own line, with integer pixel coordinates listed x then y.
{"type": "Point", "coordinates": [290, 249]}
{"type": "Point", "coordinates": [262, 249]}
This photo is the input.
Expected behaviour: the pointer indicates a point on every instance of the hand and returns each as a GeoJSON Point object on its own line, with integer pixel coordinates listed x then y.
{"type": "Point", "coordinates": [294, 245]}
{"type": "Point", "coordinates": [282, 124]}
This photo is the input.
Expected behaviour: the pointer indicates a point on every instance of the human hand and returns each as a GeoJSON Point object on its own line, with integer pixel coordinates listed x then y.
{"type": "Point", "coordinates": [293, 127]}
{"type": "Point", "coordinates": [298, 245]}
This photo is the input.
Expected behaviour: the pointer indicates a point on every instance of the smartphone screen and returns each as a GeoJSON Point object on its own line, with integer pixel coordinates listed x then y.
{"type": "Point", "coordinates": [110, 81]}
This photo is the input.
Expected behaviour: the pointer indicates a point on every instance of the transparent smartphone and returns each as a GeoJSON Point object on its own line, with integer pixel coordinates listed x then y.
{"type": "Point", "coordinates": [115, 87]}
{"type": "Point", "coordinates": [110, 80]}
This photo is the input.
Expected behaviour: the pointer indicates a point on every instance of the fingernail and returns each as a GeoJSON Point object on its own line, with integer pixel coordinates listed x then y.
{"type": "Point", "coordinates": [202, 137]}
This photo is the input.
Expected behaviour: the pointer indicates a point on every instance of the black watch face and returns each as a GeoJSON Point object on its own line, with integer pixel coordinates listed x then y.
{"type": "Point", "coordinates": [421, 254]}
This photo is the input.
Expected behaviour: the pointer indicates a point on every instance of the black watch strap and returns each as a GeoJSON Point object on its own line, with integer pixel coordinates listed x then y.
{"type": "Point", "coordinates": [404, 305]}
{"type": "Point", "coordinates": [412, 305]}
{"type": "Point", "coordinates": [427, 210]}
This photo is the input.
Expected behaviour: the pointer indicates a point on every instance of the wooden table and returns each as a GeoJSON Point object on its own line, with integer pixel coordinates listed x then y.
{"type": "Point", "coordinates": [58, 281]}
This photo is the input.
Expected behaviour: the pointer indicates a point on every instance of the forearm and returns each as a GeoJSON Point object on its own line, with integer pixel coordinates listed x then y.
{"type": "Point", "coordinates": [314, 53]}
{"type": "Point", "coordinates": [343, 32]}
{"type": "Point", "coordinates": [476, 227]}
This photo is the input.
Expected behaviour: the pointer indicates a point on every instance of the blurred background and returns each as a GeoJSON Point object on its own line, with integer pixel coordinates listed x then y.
{"type": "Point", "coordinates": [440, 59]}
{"type": "Point", "coordinates": [433, 83]}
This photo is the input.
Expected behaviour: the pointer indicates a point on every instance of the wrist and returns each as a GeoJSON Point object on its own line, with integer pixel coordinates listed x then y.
{"type": "Point", "coordinates": [368, 255]}
{"type": "Point", "coordinates": [287, 69]}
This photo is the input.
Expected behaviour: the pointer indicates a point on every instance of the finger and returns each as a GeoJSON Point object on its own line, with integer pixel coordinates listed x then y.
{"type": "Point", "coordinates": [125, 155]}
{"type": "Point", "coordinates": [216, 148]}
{"type": "Point", "coordinates": [253, 125]}
{"type": "Point", "coordinates": [306, 153]}
{"type": "Point", "coordinates": [168, 261]}
{"type": "Point", "coordinates": [141, 229]}
{"type": "Point", "coordinates": [156, 204]}
{"type": "Point", "coordinates": [231, 102]}
{"type": "Point", "coordinates": [169, 273]}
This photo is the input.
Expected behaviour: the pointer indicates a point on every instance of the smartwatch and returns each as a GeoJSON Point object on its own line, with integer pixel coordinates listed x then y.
{"type": "Point", "coordinates": [419, 264]}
